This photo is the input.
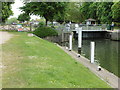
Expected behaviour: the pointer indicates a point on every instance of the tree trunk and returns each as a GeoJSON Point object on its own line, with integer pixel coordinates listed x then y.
{"type": "Point", "coordinates": [46, 22]}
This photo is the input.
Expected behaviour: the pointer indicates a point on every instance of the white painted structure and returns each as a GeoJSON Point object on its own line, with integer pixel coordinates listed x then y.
{"type": "Point", "coordinates": [92, 52]}
{"type": "Point", "coordinates": [79, 37]}
{"type": "Point", "coordinates": [67, 27]}
{"type": "Point", "coordinates": [70, 42]}
{"type": "Point", "coordinates": [76, 27]}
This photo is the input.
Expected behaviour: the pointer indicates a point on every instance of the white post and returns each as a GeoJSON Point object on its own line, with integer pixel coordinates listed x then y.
{"type": "Point", "coordinates": [79, 40]}
{"type": "Point", "coordinates": [92, 51]}
{"type": "Point", "coordinates": [70, 42]}
{"type": "Point", "coordinates": [79, 37]}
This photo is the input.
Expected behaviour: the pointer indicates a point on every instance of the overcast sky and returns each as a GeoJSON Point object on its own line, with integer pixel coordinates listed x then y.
{"type": "Point", "coordinates": [17, 11]}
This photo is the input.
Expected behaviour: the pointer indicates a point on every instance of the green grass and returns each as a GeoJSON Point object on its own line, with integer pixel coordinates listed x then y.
{"type": "Point", "coordinates": [31, 62]}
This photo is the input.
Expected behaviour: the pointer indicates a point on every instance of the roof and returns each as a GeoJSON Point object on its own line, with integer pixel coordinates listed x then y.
{"type": "Point", "coordinates": [90, 19]}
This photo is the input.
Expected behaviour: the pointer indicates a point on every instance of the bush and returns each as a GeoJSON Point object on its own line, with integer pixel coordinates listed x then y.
{"type": "Point", "coordinates": [41, 24]}
{"type": "Point", "coordinates": [45, 31]}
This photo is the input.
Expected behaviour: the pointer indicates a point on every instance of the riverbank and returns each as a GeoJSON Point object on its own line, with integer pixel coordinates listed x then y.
{"type": "Point", "coordinates": [36, 63]}
{"type": "Point", "coordinates": [105, 75]}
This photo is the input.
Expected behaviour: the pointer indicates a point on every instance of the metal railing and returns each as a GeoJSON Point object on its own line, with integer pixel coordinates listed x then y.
{"type": "Point", "coordinates": [60, 27]}
{"type": "Point", "coordinates": [63, 27]}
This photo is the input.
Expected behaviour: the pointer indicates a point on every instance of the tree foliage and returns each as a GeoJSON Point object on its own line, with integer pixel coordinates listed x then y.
{"type": "Point", "coordinates": [11, 20]}
{"type": "Point", "coordinates": [6, 10]}
{"type": "Point", "coordinates": [92, 10]}
{"type": "Point", "coordinates": [23, 17]}
{"type": "Point", "coordinates": [85, 9]}
{"type": "Point", "coordinates": [101, 11]}
{"type": "Point", "coordinates": [73, 12]}
{"type": "Point", "coordinates": [48, 10]}
{"type": "Point", "coordinates": [59, 18]}
{"type": "Point", "coordinates": [104, 12]}
{"type": "Point", "coordinates": [116, 11]}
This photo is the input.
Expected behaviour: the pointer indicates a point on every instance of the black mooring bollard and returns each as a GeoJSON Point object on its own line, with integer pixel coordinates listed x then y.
{"type": "Point", "coordinates": [79, 50]}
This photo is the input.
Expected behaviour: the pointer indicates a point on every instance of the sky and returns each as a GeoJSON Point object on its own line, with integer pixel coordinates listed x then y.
{"type": "Point", "coordinates": [17, 11]}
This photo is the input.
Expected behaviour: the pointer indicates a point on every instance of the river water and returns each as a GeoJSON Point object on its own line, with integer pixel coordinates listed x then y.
{"type": "Point", "coordinates": [106, 53]}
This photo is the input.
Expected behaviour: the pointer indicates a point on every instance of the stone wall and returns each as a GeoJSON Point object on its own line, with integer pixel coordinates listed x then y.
{"type": "Point", "coordinates": [58, 39]}
{"type": "Point", "coordinates": [55, 39]}
{"type": "Point", "coordinates": [115, 35]}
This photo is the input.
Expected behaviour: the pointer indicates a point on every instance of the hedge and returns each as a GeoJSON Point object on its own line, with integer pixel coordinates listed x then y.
{"type": "Point", "coordinates": [45, 31]}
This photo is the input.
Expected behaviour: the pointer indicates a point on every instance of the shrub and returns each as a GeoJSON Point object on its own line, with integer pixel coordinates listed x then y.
{"type": "Point", "coordinates": [41, 24]}
{"type": "Point", "coordinates": [45, 31]}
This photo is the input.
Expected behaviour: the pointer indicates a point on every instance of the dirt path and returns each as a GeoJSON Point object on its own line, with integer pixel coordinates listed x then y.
{"type": "Point", "coordinates": [4, 36]}
{"type": "Point", "coordinates": [105, 75]}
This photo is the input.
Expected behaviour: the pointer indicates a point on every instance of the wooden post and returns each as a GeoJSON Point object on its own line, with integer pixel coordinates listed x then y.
{"type": "Point", "coordinates": [92, 52]}
{"type": "Point", "coordinates": [70, 42]}
{"type": "Point", "coordinates": [79, 40]}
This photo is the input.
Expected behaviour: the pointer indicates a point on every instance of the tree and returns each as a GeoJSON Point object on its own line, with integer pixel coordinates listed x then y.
{"type": "Point", "coordinates": [73, 13]}
{"type": "Point", "coordinates": [23, 17]}
{"type": "Point", "coordinates": [59, 18]}
{"type": "Point", "coordinates": [116, 11]}
{"type": "Point", "coordinates": [93, 10]}
{"type": "Point", "coordinates": [11, 20]}
{"type": "Point", "coordinates": [85, 9]}
{"type": "Point", "coordinates": [101, 11]}
{"type": "Point", "coordinates": [6, 11]}
{"type": "Point", "coordinates": [48, 10]}
{"type": "Point", "coordinates": [104, 12]}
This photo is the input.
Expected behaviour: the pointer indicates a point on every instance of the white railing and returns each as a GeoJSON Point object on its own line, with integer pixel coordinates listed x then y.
{"type": "Point", "coordinates": [95, 27]}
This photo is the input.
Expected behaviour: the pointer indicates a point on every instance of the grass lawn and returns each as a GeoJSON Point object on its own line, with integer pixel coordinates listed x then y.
{"type": "Point", "coordinates": [30, 62]}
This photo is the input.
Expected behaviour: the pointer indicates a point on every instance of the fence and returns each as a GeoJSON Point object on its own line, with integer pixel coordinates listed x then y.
{"type": "Point", "coordinates": [72, 27]}
{"type": "Point", "coordinates": [23, 27]}
{"type": "Point", "coordinates": [94, 27]}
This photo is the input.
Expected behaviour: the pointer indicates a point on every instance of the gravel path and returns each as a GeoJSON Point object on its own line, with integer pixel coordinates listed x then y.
{"type": "Point", "coordinates": [4, 36]}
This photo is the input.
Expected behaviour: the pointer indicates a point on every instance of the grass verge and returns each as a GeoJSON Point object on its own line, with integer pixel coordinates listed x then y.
{"type": "Point", "coordinates": [30, 62]}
